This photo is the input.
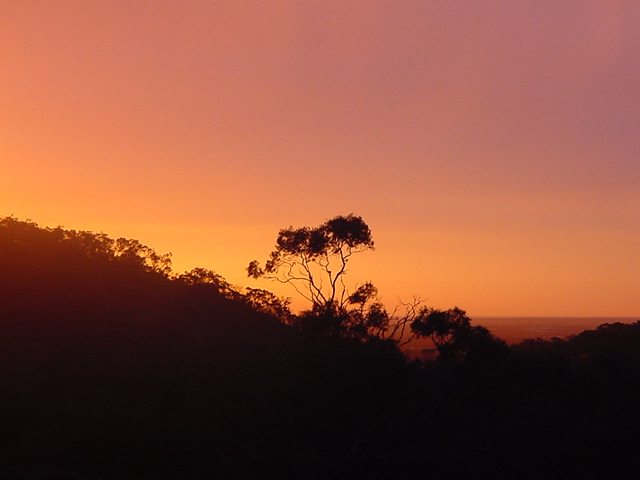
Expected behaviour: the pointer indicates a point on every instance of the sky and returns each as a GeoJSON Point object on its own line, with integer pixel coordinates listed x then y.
{"type": "Point", "coordinates": [492, 146]}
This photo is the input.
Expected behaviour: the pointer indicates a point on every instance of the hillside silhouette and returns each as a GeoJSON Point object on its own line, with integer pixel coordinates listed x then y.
{"type": "Point", "coordinates": [115, 367]}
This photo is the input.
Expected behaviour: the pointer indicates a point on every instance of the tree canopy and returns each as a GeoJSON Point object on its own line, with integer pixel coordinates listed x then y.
{"type": "Point", "coordinates": [454, 336]}
{"type": "Point", "coordinates": [314, 260]}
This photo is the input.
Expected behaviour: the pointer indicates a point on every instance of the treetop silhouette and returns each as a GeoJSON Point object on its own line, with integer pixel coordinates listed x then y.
{"type": "Point", "coordinates": [314, 260]}
{"type": "Point", "coordinates": [454, 336]}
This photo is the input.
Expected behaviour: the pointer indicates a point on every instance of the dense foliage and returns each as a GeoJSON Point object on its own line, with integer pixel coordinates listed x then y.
{"type": "Point", "coordinates": [114, 367]}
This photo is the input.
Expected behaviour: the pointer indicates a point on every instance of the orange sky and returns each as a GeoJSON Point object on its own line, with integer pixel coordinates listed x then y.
{"type": "Point", "coordinates": [492, 146]}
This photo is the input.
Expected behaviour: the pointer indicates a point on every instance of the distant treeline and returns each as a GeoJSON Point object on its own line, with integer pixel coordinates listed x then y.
{"type": "Point", "coordinates": [114, 367]}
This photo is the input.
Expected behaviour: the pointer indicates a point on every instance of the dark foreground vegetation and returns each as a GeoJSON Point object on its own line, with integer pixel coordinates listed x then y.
{"type": "Point", "coordinates": [113, 367]}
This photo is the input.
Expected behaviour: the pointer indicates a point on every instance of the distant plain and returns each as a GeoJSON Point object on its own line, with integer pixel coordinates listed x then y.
{"type": "Point", "coordinates": [515, 329]}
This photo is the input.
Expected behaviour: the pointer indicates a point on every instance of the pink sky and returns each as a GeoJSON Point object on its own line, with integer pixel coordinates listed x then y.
{"type": "Point", "coordinates": [492, 146]}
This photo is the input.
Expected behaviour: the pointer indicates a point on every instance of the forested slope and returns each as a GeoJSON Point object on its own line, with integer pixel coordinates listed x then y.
{"type": "Point", "coordinates": [115, 367]}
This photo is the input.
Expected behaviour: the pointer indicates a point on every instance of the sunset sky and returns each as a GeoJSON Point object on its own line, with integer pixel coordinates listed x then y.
{"type": "Point", "coordinates": [493, 146]}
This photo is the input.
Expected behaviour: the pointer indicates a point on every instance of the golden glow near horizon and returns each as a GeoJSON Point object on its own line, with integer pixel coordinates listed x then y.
{"type": "Point", "coordinates": [491, 147]}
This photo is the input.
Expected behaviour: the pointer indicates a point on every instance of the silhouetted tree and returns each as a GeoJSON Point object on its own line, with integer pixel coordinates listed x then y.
{"type": "Point", "coordinates": [454, 336]}
{"type": "Point", "coordinates": [267, 302]}
{"type": "Point", "coordinates": [131, 250]}
{"type": "Point", "coordinates": [209, 279]}
{"type": "Point", "coordinates": [314, 260]}
{"type": "Point", "coordinates": [366, 317]}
